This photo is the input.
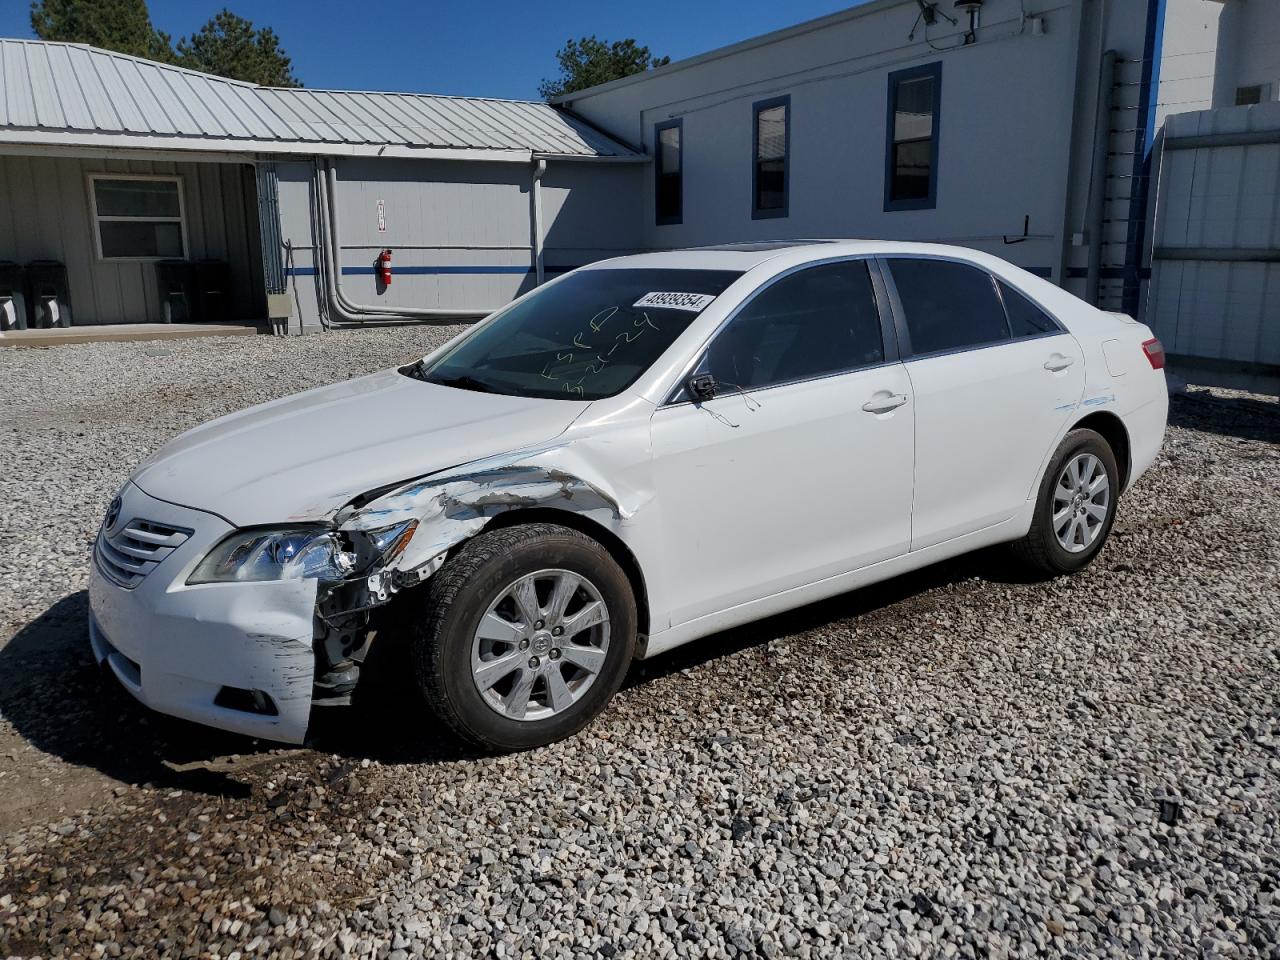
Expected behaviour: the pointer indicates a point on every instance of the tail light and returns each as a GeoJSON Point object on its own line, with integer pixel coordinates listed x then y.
{"type": "Point", "coordinates": [1154, 350]}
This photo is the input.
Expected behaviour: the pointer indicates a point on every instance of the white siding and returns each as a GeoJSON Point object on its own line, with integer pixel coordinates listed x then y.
{"type": "Point", "coordinates": [1219, 198]}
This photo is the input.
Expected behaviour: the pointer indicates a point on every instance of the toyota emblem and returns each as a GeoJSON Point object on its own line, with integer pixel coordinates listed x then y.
{"type": "Point", "coordinates": [113, 514]}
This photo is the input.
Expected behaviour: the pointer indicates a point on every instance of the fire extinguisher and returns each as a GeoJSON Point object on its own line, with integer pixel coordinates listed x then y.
{"type": "Point", "coordinates": [384, 267]}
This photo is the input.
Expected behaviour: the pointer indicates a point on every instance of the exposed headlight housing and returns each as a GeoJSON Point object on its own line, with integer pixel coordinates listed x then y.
{"type": "Point", "coordinates": [315, 553]}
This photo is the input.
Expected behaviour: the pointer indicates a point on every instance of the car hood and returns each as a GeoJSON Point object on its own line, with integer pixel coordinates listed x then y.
{"type": "Point", "coordinates": [301, 458]}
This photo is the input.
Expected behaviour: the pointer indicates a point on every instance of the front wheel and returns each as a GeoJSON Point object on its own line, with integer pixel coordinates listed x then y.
{"type": "Point", "coordinates": [523, 636]}
{"type": "Point", "coordinates": [1075, 506]}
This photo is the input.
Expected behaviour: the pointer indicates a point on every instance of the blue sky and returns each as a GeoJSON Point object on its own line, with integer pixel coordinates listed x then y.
{"type": "Point", "coordinates": [495, 48]}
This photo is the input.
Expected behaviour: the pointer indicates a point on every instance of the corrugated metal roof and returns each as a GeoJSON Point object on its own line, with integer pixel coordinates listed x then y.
{"type": "Point", "coordinates": [76, 94]}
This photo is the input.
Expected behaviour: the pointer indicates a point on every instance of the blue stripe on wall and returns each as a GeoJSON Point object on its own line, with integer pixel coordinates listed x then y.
{"type": "Point", "coordinates": [433, 271]}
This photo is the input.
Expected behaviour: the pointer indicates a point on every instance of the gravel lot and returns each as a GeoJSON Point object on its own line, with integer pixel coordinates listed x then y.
{"type": "Point", "coordinates": [957, 763]}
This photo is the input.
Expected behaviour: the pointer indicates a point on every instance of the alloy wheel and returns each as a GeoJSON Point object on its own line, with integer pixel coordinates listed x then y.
{"type": "Point", "coordinates": [1081, 501]}
{"type": "Point", "coordinates": [541, 645]}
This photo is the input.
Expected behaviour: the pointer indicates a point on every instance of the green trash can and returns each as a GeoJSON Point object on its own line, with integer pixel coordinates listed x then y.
{"type": "Point", "coordinates": [13, 296]}
{"type": "Point", "coordinates": [49, 299]}
{"type": "Point", "coordinates": [176, 280]}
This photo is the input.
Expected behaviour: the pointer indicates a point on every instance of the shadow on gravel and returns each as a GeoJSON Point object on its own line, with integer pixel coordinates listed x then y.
{"type": "Point", "coordinates": [1242, 417]}
{"type": "Point", "coordinates": [56, 697]}
{"type": "Point", "coordinates": [993, 565]}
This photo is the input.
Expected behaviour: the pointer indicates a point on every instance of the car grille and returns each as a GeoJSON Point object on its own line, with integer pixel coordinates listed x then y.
{"type": "Point", "coordinates": [134, 550]}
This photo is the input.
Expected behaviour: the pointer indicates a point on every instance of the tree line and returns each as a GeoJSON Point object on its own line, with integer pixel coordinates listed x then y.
{"type": "Point", "coordinates": [228, 45]}
{"type": "Point", "coordinates": [231, 46]}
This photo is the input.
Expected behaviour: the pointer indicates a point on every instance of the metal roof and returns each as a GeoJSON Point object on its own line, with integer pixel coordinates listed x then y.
{"type": "Point", "coordinates": [73, 94]}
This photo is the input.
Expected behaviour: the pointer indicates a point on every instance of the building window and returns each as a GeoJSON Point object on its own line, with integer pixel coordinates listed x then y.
{"type": "Point", "coordinates": [1247, 96]}
{"type": "Point", "coordinates": [771, 149]}
{"type": "Point", "coordinates": [668, 168]}
{"type": "Point", "coordinates": [911, 155]}
{"type": "Point", "coordinates": [138, 218]}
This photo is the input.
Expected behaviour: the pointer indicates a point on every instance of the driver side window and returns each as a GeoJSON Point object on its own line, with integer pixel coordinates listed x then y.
{"type": "Point", "coordinates": [813, 323]}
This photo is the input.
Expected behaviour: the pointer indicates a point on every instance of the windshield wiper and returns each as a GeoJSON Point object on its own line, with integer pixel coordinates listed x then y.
{"type": "Point", "coordinates": [465, 382]}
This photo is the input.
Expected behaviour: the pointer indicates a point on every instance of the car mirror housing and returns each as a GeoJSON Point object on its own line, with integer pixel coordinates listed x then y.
{"type": "Point", "coordinates": [701, 386]}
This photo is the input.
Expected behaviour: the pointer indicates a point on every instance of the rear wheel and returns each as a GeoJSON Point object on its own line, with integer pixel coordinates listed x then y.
{"type": "Point", "coordinates": [1075, 506]}
{"type": "Point", "coordinates": [524, 636]}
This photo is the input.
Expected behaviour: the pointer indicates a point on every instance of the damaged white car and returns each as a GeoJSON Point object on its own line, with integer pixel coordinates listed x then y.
{"type": "Point", "coordinates": [630, 457]}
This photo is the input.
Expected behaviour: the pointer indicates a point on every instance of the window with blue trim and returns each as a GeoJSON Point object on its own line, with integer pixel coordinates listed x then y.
{"type": "Point", "coordinates": [911, 148]}
{"type": "Point", "coordinates": [668, 166]}
{"type": "Point", "coordinates": [772, 154]}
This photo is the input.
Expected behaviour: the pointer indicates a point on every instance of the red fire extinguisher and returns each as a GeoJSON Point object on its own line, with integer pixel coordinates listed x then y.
{"type": "Point", "coordinates": [384, 267]}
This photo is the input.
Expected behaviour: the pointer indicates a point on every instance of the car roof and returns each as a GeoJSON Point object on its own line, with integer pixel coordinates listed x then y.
{"type": "Point", "coordinates": [743, 256]}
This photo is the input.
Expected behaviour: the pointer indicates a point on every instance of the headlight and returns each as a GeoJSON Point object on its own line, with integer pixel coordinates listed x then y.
{"type": "Point", "coordinates": [299, 553]}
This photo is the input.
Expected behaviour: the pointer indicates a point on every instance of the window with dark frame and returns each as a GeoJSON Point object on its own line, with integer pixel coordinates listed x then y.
{"type": "Point", "coordinates": [911, 148]}
{"type": "Point", "coordinates": [668, 172]}
{"type": "Point", "coordinates": [771, 153]}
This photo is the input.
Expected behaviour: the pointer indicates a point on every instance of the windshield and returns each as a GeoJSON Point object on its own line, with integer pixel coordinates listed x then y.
{"type": "Point", "coordinates": [586, 337]}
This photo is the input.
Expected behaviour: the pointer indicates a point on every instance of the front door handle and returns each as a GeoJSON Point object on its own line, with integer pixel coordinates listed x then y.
{"type": "Point", "coordinates": [1058, 362]}
{"type": "Point", "coordinates": [884, 402]}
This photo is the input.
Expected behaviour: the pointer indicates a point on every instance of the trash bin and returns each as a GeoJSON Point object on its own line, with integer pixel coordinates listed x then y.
{"type": "Point", "coordinates": [48, 297]}
{"type": "Point", "coordinates": [213, 279]}
{"type": "Point", "coordinates": [13, 298]}
{"type": "Point", "coordinates": [177, 282]}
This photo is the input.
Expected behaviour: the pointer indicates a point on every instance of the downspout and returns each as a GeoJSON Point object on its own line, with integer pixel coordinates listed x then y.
{"type": "Point", "coordinates": [1098, 177]}
{"type": "Point", "coordinates": [1078, 67]}
{"type": "Point", "coordinates": [348, 311]}
{"type": "Point", "coordinates": [539, 168]}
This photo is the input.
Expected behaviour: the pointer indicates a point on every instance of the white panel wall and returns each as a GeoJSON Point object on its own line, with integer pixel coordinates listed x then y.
{"type": "Point", "coordinates": [1006, 127]}
{"type": "Point", "coordinates": [460, 232]}
{"type": "Point", "coordinates": [1188, 61]}
{"type": "Point", "coordinates": [1249, 49]}
{"type": "Point", "coordinates": [1219, 198]}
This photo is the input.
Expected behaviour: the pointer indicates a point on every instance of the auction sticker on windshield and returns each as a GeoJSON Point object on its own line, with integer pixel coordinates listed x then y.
{"type": "Point", "coordinates": [693, 302]}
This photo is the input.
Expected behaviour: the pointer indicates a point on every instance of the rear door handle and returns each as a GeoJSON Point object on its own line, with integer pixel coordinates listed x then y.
{"type": "Point", "coordinates": [1058, 362]}
{"type": "Point", "coordinates": [884, 402]}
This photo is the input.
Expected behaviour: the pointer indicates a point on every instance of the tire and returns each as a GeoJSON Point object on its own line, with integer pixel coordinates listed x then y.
{"type": "Point", "coordinates": [459, 671]}
{"type": "Point", "coordinates": [1042, 549]}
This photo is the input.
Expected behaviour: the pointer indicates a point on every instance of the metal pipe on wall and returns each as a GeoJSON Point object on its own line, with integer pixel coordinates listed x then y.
{"type": "Point", "coordinates": [1098, 176]}
{"type": "Point", "coordinates": [331, 249]}
{"type": "Point", "coordinates": [539, 168]}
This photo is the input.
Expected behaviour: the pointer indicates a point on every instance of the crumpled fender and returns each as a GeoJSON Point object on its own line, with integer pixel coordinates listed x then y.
{"type": "Point", "coordinates": [454, 505]}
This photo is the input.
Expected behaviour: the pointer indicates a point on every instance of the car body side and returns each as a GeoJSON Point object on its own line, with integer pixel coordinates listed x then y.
{"type": "Point", "coordinates": [598, 474]}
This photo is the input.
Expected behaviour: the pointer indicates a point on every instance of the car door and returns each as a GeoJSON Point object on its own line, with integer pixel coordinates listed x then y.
{"type": "Point", "coordinates": [799, 467]}
{"type": "Point", "coordinates": [994, 378]}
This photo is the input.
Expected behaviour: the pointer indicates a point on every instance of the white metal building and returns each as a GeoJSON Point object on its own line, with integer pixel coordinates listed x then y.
{"type": "Point", "coordinates": [109, 164]}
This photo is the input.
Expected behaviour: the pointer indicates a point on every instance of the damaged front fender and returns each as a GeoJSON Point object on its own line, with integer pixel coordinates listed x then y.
{"type": "Point", "coordinates": [453, 506]}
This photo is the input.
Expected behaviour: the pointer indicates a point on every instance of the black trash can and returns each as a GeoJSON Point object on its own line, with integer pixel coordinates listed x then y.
{"type": "Point", "coordinates": [48, 298]}
{"type": "Point", "coordinates": [213, 280]}
{"type": "Point", "coordinates": [177, 282]}
{"type": "Point", "coordinates": [13, 297]}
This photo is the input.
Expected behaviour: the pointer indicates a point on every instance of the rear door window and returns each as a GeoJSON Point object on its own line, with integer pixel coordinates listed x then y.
{"type": "Point", "coordinates": [815, 322]}
{"type": "Point", "coordinates": [948, 305]}
{"type": "Point", "coordinates": [1026, 318]}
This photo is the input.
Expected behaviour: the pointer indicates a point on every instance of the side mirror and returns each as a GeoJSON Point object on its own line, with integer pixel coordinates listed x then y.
{"type": "Point", "coordinates": [701, 386]}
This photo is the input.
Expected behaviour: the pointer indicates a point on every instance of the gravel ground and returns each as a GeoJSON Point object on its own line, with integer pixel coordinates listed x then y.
{"type": "Point", "coordinates": [957, 763]}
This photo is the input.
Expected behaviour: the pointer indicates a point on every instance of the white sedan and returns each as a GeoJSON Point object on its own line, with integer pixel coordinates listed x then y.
{"type": "Point", "coordinates": [635, 455]}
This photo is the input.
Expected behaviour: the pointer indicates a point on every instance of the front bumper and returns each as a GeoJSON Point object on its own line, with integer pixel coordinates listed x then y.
{"type": "Point", "coordinates": [178, 648]}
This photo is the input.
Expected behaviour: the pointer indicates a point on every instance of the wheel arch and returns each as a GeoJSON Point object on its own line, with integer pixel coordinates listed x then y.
{"type": "Point", "coordinates": [1112, 429]}
{"type": "Point", "coordinates": [596, 531]}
